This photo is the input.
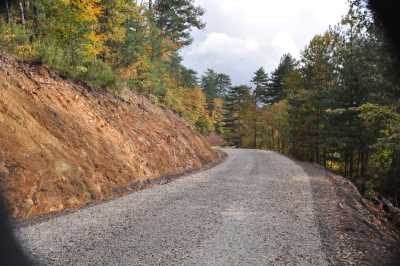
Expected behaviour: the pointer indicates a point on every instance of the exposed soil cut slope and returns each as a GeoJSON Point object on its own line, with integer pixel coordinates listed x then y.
{"type": "Point", "coordinates": [62, 145]}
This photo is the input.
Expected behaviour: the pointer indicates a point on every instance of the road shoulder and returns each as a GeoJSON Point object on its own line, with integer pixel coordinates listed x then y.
{"type": "Point", "coordinates": [350, 233]}
{"type": "Point", "coordinates": [133, 187]}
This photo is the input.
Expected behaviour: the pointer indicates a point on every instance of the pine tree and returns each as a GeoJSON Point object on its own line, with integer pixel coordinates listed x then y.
{"type": "Point", "coordinates": [209, 82]}
{"type": "Point", "coordinates": [236, 106]}
{"type": "Point", "coordinates": [276, 91]}
{"type": "Point", "coordinates": [261, 83]}
{"type": "Point", "coordinates": [215, 84]}
{"type": "Point", "coordinates": [176, 18]}
{"type": "Point", "coordinates": [223, 84]}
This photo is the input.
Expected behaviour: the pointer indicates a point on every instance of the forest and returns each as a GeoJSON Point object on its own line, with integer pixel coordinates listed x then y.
{"type": "Point", "coordinates": [113, 45]}
{"type": "Point", "coordinates": [338, 105]}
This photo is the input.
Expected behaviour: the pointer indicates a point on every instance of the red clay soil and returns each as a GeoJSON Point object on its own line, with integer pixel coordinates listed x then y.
{"type": "Point", "coordinates": [216, 140]}
{"type": "Point", "coordinates": [63, 145]}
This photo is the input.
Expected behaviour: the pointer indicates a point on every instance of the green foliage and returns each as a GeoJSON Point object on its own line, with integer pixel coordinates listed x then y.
{"type": "Point", "coordinates": [261, 83]}
{"type": "Point", "coordinates": [276, 91]}
{"type": "Point", "coordinates": [215, 85]}
{"type": "Point", "coordinates": [217, 115]}
{"type": "Point", "coordinates": [175, 18]}
{"type": "Point", "coordinates": [98, 74]}
{"type": "Point", "coordinates": [342, 105]}
{"type": "Point", "coordinates": [238, 104]}
{"type": "Point", "coordinates": [15, 39]}
{"type": "Point", "coordinates": [338, 106]}
{"type": "Point", "coordinates": [113, 44]}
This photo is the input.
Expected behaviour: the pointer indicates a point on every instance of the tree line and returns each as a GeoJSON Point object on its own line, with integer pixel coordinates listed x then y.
{"type": "Point", "coordinates": [114, 45]}
{"type": "Point", "coordinates": [338, 105]}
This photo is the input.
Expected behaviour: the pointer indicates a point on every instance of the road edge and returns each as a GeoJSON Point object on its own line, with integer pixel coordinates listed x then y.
{"type": "Point", "coordinates": [119, 192]}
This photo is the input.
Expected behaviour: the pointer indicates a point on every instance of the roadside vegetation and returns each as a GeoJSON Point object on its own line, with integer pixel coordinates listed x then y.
{"type": "Point", "coordinates": [113, 45]}
{"type": "Point", "coordinates": [337, 106]}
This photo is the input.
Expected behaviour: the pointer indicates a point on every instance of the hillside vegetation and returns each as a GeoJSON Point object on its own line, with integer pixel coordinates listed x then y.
{"type": "Point", "coordinates": [111, 45]}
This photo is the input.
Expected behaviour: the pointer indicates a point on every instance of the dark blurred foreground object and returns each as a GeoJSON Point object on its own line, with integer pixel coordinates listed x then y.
{"type": "Point", "coordinates": [387, 16]}
{"type": "Point", "coordinates": [11, 252]}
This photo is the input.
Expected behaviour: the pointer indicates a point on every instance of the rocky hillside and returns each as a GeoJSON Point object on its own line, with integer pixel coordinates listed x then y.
{"type": "Point", "coordinates": [63, 145]}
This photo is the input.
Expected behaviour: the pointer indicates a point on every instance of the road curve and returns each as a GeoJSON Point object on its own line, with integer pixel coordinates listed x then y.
{"type": "Point", "coordinates": [256, 208]}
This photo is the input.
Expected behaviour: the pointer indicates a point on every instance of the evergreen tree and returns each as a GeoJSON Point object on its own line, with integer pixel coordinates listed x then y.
{"type": "Point", "coordinates": [276, 91]}
{"type": "Point", "coordinates": [237, 103]}
{"type": "Point", "coordinates": [223, 84]}
{"type": "Point", "coordinates": [261, 83]}
{"type": "Point", "coordinates": [209, 82]}
{"type": "Point", "coordinates": [176, 18]}
{"type": "Point", "coordinates": [215, 84]}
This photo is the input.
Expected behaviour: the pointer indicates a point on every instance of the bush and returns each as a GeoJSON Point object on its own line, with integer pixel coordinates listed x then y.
{"type": "Point", "coordinates": [16, 40]}
{"type": "Point", "coordinates": [97, 74]}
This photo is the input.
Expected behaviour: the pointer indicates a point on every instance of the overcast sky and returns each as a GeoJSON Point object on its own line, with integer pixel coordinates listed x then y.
{"type": "Point", "coordinates": [242, 36]}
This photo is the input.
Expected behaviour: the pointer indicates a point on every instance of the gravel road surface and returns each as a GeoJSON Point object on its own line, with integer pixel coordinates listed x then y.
{"type": "Point", "coordinates": [256, 208]}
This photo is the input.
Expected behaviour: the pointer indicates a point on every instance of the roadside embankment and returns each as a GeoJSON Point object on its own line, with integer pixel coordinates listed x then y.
{"type": "Point", "coordinates": [63, 145]}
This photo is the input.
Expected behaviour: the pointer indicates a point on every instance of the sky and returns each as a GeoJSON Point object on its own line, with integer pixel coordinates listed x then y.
{"type": "Point", "coordinates": [242, 36]}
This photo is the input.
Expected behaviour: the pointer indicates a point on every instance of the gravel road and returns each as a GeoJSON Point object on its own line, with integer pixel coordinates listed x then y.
{"type": "Point", "coordinates": [256, 208]}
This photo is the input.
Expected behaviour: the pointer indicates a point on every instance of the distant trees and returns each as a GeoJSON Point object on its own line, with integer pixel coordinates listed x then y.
{"type": "Point", "coordinates": [215, 85]}
{"type": "Point", "coordinates": [337, 106]}
{"type": "Point", "coordinates": [209, 83]}
{"type": "Point", "coordinates": [276, 92]}
{"type": "Point", "coordinates": [261, 86]}
{"type": "Point", "coordinates": [238, 103]}
{"type": "Point", "coordinates": [255, 105]}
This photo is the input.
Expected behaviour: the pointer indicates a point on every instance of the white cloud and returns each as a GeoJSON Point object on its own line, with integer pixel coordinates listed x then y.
{"type": "Point", "coordinates": [284, 43]}
{"type": "Point", "coordinates": [242, 35]}
{"type": "Point", "coordinates": [221, 43]}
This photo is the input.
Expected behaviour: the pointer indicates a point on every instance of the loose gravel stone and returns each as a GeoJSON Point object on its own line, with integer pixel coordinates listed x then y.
{"type": "Point", "coordinates": [256, 208]}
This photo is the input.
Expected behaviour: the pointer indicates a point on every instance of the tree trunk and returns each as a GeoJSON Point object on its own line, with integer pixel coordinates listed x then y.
{"type": "Point", "coordinates": [351, 164]}
{"type": "Point", "coordinates": [392, 184]}
{"type": "Point", "coordinates": [8, 11]}
{"type": "Point", "coordinates": [26, 5]}
{"type": "Point", "coordinates": [273, 139]}
{"type": "Point", "coordinates": [358, 163]}
{"type": "Point", "coordinates": [324, 160]}
{"type": "Point", "coordinates": [317, 154]}
{"type": "Point", "coordinates": [364, 164]}
{"type": "Point", "coordinates": [22, 10]}
{"type": "Point", "coordinates": [395, 166]}
{"type": "Point", "coordinates": [255, 128]}
{"type": "Point", "coordinates": [35, 15]}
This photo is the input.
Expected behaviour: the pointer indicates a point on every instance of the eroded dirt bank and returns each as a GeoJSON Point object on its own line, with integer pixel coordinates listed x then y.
{"type": "Point", "coordinates": [62, 145]}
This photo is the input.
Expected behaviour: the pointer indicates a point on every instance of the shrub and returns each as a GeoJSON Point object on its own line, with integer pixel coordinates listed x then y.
{"type": "Point", "coordinates": [97, 74]}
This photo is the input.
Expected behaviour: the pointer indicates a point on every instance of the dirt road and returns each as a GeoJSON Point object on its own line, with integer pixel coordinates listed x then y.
{"type": "Point", "coordinates": [256, 208]}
